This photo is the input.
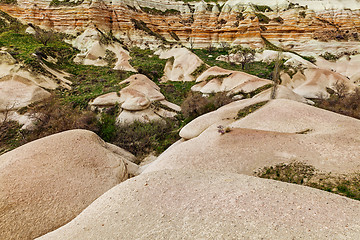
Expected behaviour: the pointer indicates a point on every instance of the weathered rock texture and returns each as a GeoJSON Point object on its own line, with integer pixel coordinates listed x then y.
{"type": "Point", "coordinates": [217, 79]}
{"type": "Point", "coordinates": [211, 205]}
{"type": "Point", "coordinates": [316, 82]}
{"type": "Point", "coordinates": [281, 131]}
{"type": "Point", "coordinates": [141, 101]}
{"type": "Point", "coordinates": [46, 183]}
{"type": "Point", "coordinates": [181, 65]}
{"type": "Point", "coordinates": [201, 24]}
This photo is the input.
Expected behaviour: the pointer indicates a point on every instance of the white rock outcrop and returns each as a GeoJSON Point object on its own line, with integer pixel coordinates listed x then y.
{"type": "Point", "coordinates": [217, 79]}
{"type": "Point", "coordinates": [93, 52]}
{"type": "Point", "coordinates": [141, 100]}
{"type": "Point", "coordinates": [281, 131]}
{"type": "Point", "coordinates": [46, 183]}
{"type": "Point", "coordinates": [182, 204]}
{"type": "Point", "coordinates": [181, 65]}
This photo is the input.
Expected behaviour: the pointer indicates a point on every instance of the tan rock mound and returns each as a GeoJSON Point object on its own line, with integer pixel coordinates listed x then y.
{"type": "Point", "coordinates": [282, 92]}
{"type": "Point", "coordinates": [210, 205]}
{"type": "Point", "coordinates": [9, 67]}
{"type": "Point", "coordinates": [346, 65]}
{"type": "Point", "coordinates": [282, 131]}
{"type": "Point", "coordinates": [181, 65]}
{"type": "Point", "coordinates": [229, 112]}
{"type": "Point", "coordinates": [17, 92]}
{"type": "Point", "coordinates": [93, 52]}
{"type": "Point", "coordinates": [292, 59]}
{"type": "Point", "coordinates": [216, 79]}
{"type": "Point", "coordinates": [141, 100]}
{"type": "Point", "coordinates": [316, 81]}
{"type": "Point", "coordinates": [46, 183]}
{"type": "Point", "coordinates": [225, 113]}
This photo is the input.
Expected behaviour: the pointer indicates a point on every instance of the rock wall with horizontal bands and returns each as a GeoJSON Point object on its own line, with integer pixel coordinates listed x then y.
{"type": "Point", "coordinates": [200, 24]}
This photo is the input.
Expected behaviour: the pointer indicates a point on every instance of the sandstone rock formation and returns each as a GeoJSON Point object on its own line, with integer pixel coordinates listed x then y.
{"type": "Point", "coordinates": [20, 87]}
{"type": "Point", "coordinates": [17, 92]}
{"type": "Point", "coordinates": [181, 65]}
{"type": "Point", "coordinates": [209, 205]}
{"type": "Point", "coordinates": [315, 82]}
{"type": "Point", "coordinates": [217, 79]}
{"type": "Point", "coordinates": [292, 59]}
{"type": "Point", "coordinates": [141, 100]}
{"type": "Point", "coordinates": [46, 183]}
{"type": "Point", "coordinates": [93, 52]}
{"type": "Point", "coordinates": [282, 131]}
{"type": "Point", "coordinates": [346, 65]}
{"type": "Point", "coordinates": [304, 26]}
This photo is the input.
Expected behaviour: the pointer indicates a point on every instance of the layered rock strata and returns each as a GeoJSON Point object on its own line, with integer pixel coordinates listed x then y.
{"type": "Point", "coordinates": [300, 27]}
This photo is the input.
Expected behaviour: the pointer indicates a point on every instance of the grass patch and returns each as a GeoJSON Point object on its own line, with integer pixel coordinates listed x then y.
{"type": "Point", "coordinates": [262, 18]}
{"type": "Point", "coordinates": [147, 63]}
{"type": "Point", "coordinates": [250, 109]}
{"type": "Point", "coordinates": [154, 11]}
{"type": "Point", "coordinates": [176, 92]}
{"type": "Point", "coordinates": [143, 138]}
{"type": "Point", "coordinates": [262, 8]}
{"type": "Point", "coordinates": [199, 70]}
{"type": "Point", "coordinates": [303, 174]}
{"type": "Point", "coordinates": [260, 69]}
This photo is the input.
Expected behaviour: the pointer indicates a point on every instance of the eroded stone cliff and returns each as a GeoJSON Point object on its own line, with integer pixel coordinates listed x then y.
{"type": "Point", "coordinates": [305, 26]}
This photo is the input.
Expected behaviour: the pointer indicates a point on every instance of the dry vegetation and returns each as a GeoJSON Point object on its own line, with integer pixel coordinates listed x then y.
{"type": "Point", "coordinates": [303, 174]}
{"type": "Point", "coordinates": [340, 101]}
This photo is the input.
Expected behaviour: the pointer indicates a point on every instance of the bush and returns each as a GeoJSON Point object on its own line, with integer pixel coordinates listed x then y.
{"type": "Point", "coordinates": [340, 101]}
{"type": "Point", "coordinates": [143, 138]}
{"type": "Point", "coordinates": [262, 18]}
{"type": "Point", "coordinates": [53, 117]}
{"type": "Point", "coordinates": [196, 104]}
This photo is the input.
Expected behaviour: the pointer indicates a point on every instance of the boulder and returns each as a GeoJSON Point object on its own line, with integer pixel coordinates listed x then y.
{"type": "Point", "coordinates": [181, 64]}
{"type": "Point", "coordinates": [318, 80]}
{"type": "Point", "coordinates": [141, 100]}
{"type": "Point", "coordinates": [93, 52]}
{"type": "Point", "coordinates": [181, 204]}
{"type": "Point", "coordinates": [17, 92]}
{"type": "Point", "coordinates": [217, 79]}
{"type": "Point", "coordinates": [46, 183]}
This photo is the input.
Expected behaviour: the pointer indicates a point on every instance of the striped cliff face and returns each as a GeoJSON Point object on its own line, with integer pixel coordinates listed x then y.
{"type": "Point", "coordinates": [199, 24]}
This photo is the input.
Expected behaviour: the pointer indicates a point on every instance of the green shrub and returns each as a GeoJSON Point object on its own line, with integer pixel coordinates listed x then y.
{"type": "Point", "coordinates": [154, 11]}
{"type": "Point", "coordinates": [110, 58]}
{"type": "Point", "coordinates": [278, 19]}
{"type": "Point", "coordinates": [262, 18]}
{"type": "Point", "coordinates": [262, 8]}
{"type": "Point", "coordinates": [143, 138]}
{"type": "Point", "coordinates": [8, 2]}
{"type": "Point", "coordinates": [250, 109]}
{"type": "Point", "coordinates": [196, 104]}
{"type": "Point", "coordinates": [329, 56]}
{"type": "Point", "coordinates": [199, 70]}
{"type": "Point", "coordinates": [140, 25]}
{"type": "Point", "coordinates": [66, 3]}
{"type": "Point", "coordinates": [303, 174]}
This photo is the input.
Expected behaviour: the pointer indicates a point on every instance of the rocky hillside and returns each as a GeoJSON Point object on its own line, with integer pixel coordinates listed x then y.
{"type": "Point", "coordinates": [302, 26]}
{"type": "Point", "coordinates": [179, 120]}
